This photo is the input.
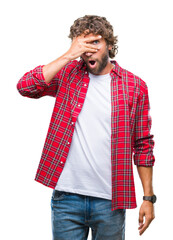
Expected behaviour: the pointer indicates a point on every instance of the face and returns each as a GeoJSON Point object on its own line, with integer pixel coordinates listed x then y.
{"type": "Point", "coordinates": [98, 63]}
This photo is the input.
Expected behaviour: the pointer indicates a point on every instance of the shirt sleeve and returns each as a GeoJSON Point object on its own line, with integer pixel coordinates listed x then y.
{"type": "Point", "coordinates": [33, 84]}
{"type": "Point", "coordinates": [144, 143]}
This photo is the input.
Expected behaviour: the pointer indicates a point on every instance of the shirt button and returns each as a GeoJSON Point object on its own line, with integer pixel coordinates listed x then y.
{"type": "Point", "coordinates": [86, 72]}
{"type": "Point", "coordinates": [85, 84]}
{"type": "Point", "coordinates": [72, 123]}
{"type": "Point", "coordinates": [78, 105]}
{"type": "Point", "coordinates": [61, 162]}
{"type": "Point", "coordinates": [68, 143]}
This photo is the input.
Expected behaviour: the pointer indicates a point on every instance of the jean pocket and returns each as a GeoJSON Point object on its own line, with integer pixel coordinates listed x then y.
{"type": "Point", "coordinates": [58, 195]}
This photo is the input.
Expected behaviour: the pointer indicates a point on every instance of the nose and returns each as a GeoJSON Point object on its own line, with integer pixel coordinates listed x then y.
{"type": "Point", "coordinates": [88, 54]}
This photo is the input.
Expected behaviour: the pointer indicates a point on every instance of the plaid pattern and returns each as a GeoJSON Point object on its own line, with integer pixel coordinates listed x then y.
{"type": "Point", "coordinates": [130, 124]}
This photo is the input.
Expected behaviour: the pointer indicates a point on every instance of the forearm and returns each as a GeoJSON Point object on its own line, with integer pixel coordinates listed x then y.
{"type": "Point", "coordinates": [51, 69]}
{"type": "Point", "coordinates": [146, 176]}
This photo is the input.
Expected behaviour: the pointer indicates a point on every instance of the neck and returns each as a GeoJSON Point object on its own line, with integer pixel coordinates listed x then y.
{"type": "Point", "coordinates": [107, 69]}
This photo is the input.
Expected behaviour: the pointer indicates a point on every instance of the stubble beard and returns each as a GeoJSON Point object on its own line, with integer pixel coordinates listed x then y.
{"type": "Point", "coordinates": [100, 64]}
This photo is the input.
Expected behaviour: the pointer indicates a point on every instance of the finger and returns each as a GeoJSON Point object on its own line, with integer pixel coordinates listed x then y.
{"type": "Point", "coordinates": [145, 226]}
{"type": "Point", "coordinates": [89, 52]}
{"type": "Point", "coordinates": [91, 46]}
{"type": "Point", "coordinates": [141, 219]}
{"type": "Point", "coordinates": [140, 226]}
{"type": "Point", "coordinates": [86, 32]}
{"type": "Point", "coordinates": [92, 38]}
{"type": "Point", "coordinates": [142, 230]}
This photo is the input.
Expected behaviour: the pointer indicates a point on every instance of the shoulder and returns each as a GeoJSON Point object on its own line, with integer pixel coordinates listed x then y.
{"type": "Point", "coordinates": [70, 68]}
{"type": "Point", "coordinates": [74, 64]}
{"type": "Point", "coordinates": [134, 81]}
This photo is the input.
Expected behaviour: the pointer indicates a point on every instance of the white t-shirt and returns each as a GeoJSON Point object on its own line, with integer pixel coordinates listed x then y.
{"type": "Point", "coordinates": [87, 170]}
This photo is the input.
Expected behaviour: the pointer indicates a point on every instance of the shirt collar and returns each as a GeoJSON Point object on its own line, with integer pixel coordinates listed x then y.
{"type": "Point", "coordinates": [116, 69]}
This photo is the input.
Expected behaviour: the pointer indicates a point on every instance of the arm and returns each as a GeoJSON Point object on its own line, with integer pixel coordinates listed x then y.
{"type": "Point", "coordinates": [143, 156]}
{"type": "Point", "coordinates": [144, 144]}
{"type": "Point", "coordinates": [43, 80]}
{"type": "Point", "coordinates": [34, 85]}
{"type": "Point", "coordinates": [78, 47]}
{"type": "Point", "coordinates": [146, 175]}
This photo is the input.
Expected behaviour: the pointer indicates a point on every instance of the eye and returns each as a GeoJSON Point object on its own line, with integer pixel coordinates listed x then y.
{"type": "Point", "coordinates": [96, 42]}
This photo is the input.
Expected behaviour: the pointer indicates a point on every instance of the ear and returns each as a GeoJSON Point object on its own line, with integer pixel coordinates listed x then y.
{"type": "Point", "coordinates": [109, 47]}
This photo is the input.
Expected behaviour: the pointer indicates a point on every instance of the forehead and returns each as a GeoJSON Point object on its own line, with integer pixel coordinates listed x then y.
{"type": "Point", "coordinates": [90, 34]}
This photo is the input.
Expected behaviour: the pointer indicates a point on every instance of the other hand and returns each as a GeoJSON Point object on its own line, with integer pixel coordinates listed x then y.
{"type": "Point", "coordinates": [147, 211]}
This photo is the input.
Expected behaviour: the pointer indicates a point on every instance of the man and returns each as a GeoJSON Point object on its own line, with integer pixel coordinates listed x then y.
{"type": "Point", "coordinates": [100, 118]}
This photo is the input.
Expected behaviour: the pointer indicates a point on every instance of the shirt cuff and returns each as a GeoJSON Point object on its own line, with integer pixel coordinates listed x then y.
{"type": "Point", "coordinates": [146, 160]}
{"type": "Point", "coordinates": [39, 77]}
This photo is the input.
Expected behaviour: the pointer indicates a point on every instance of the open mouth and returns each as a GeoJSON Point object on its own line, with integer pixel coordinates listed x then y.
{"type": "Point", "coordinates": [92, 63]}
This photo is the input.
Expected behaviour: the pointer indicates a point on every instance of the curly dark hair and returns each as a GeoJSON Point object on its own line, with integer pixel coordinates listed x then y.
{"type": "Point", "coordinates": [96, 25]}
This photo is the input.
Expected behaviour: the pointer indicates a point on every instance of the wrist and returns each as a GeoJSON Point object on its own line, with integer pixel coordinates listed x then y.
{"type": "Point", "coordinates": [151, 199]}
{"type": "Point", "coordinates": [67, 56]}
{"type": "Point", "coordinates": [148, 193]}
{"type": "Point", "coordinates": [148, 189]}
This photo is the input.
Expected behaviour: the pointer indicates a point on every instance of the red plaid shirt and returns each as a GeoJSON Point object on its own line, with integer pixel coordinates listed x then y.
{"type": "Point", "coordinates": [130, 124]}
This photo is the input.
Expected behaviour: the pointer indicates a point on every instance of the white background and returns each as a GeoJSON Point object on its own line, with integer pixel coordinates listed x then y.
{"type": "Point", "coordinates": [35, 32]}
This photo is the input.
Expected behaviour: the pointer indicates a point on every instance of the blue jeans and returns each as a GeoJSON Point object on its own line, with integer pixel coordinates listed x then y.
{"type": "Point", "coordinates": [73, 214]}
